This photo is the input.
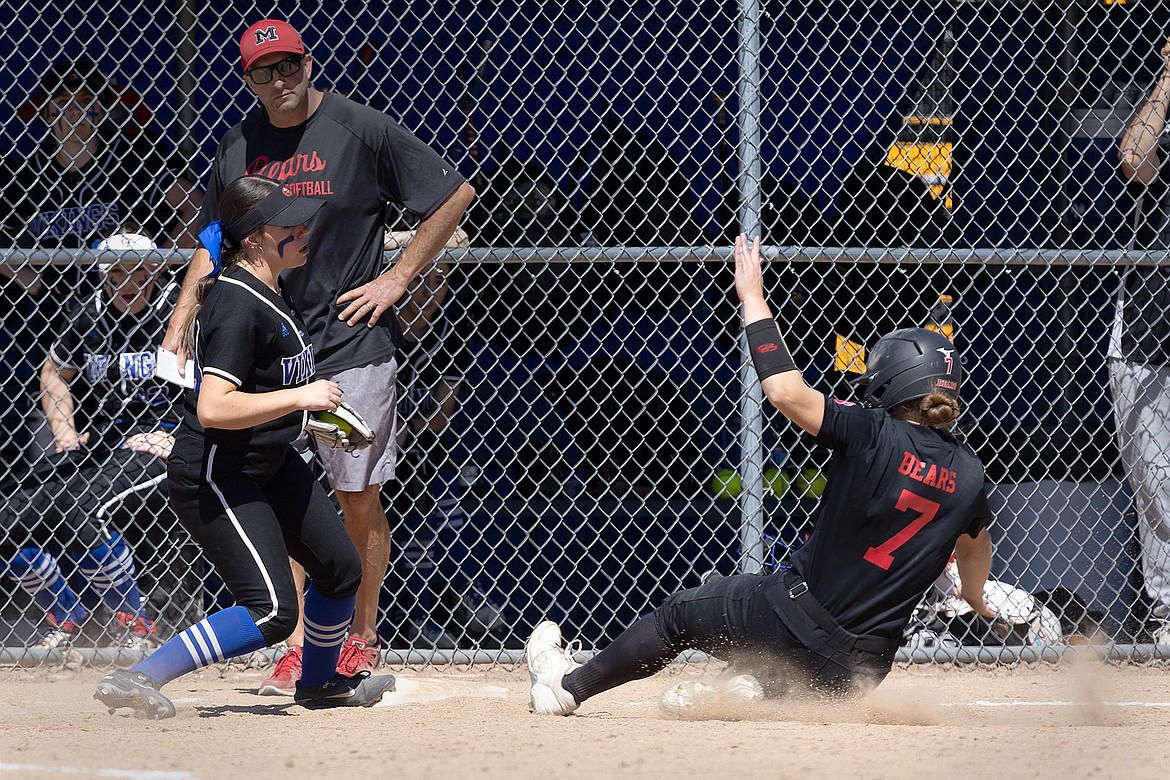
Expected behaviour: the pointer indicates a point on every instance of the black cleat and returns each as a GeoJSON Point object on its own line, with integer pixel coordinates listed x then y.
{"type": "Point", "coordinates": [361, 690]}
{"type": "Point", "coordinates": [135, 690]}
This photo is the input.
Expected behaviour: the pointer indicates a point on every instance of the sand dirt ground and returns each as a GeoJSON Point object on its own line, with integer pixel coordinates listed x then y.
{"type": "Point", "coordinates": [1087, 720]}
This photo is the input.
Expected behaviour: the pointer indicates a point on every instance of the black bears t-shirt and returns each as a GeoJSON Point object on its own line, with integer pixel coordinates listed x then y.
{"type": "Point", "coordinates": [358, 161]}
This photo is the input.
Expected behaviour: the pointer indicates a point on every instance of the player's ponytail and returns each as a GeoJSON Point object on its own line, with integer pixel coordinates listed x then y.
{"type": "Point", "coordinates": [237, 199]}
{"type": "Point", "coordinates": [937, 410]}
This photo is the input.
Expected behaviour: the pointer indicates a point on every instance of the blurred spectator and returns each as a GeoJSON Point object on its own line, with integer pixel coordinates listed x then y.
{"type": "Point", "coordinates": [522, 207]}
{"type": "Point", "coordinates": [85, 180]}
{"type": "Point", "coordinates": [626, 191]}
{"type": "Point", "coordinates": [635, 428]}
{"type": "Point", "coordinates": [788, 216]}
{"type": "Point", "coordinates": [111, 422]}
{"type": "Point", "coordinates": [129, 112]}
{"type": "Point", "coordinates": [635, 194]}
{"type": "Point", "coordinates": [1139, 348]}
{"type": "Point", "coordinates": [883, 206]}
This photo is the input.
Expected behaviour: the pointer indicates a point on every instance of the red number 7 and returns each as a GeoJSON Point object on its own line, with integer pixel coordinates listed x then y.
{"type": "Point", "coordinates": [882, 555]}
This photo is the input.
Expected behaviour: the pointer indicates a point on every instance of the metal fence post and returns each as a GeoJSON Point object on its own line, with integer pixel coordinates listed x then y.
{"type": "Point", "coordinates": [751, 533]}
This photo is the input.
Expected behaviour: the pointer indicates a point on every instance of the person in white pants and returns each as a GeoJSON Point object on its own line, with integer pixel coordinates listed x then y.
{"type": "Point", "coordinates": [1139, 356]}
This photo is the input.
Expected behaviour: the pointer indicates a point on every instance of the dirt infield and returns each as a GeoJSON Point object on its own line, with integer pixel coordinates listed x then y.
{"type": "Point", "coordinates": [1083, 721]}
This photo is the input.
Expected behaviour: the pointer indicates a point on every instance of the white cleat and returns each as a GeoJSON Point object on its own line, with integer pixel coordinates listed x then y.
{"type": "Point", "coordinates": [686, 696]}
{"type": "Point", "coordinates": [548, 663]}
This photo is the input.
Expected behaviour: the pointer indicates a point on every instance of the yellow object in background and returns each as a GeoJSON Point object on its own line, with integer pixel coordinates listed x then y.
{"type": "Point", "coordinates": [726, 484]}
{"type": "Point", "coordinates": [941, 320]}
{"type": "Point", "coordinates": [850, 356]}
{"type": "Point", "coordinates": [810, 483]}
{"type": "Point", "coordinates": [775, 482]}
{"type": "Point", "coordinates": [929, 162]}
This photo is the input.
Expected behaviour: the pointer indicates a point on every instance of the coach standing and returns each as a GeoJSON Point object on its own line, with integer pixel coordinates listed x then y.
{"type": "Point", "coordinates": [359, 161]}
{"type": "Point", "coordinates": [1139, 347]}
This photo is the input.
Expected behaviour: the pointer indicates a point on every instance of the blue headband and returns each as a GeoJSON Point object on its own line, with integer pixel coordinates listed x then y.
{"type": "Point", "coordinates": [279, 207]}
{"type": "Point", "coordinates": [212, 239]}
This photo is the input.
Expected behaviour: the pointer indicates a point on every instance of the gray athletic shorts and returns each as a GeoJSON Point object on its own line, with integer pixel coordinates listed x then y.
{"type": "Point", "coordinates": [370, 390]}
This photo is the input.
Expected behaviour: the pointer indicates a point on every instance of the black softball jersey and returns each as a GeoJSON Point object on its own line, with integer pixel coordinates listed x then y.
{"type": "Point", "coordinates": [898, 498]}
{"type": "Point", "coordinates": [116, 391]}
{"type": "Point", "coordinates": [248, 335]}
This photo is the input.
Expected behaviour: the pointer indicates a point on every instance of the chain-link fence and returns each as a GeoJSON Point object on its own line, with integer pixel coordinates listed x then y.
{"type": "Point", "coordinates": [951, 164]}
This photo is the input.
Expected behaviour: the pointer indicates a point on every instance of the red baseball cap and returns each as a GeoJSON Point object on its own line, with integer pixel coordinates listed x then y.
{"type": "Point", "coordinates": [267, 36]}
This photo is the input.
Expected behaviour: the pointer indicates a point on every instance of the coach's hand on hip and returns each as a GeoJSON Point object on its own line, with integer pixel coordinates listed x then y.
{"type": "Point", "coordinates": [371, 300]}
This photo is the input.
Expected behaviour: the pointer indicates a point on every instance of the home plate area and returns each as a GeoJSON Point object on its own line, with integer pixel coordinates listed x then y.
{"type": "Point", "coordinates": [419, 690]}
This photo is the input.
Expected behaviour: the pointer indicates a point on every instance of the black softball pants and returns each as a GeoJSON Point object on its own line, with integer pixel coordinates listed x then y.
{"type": "Point", "coordinates": [751, 621]}
{"type": "Point", "coordinates": [251, 509]}
{"type": "Point", "coordinates": [70, 497]}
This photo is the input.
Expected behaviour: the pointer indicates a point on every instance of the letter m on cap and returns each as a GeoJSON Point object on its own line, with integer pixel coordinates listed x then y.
{"type": "Point", "coordinates": [266, 34]}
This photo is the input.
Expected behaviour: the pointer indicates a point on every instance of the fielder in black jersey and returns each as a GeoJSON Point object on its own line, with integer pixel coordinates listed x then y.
{"type": "Point", "coordinates": [902, 495]}
{"type": "Point", "coordinates": [111, 422]}
{"type": "Point", "coordinates": [236, 483]}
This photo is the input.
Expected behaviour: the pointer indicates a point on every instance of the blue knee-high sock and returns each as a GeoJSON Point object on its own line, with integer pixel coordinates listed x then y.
{"type": "Point", "coordinates": [326, 621]}
{"type": "Point", "coordinates": [216, 638]}
{"type": "Point", "coordinates": [40, 575]}
{"type": "Point", "coordinates": [109, 566]}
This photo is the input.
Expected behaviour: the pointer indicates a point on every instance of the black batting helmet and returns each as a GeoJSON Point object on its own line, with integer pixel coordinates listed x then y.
{"type": "Point", "coordinates": [907, 364]}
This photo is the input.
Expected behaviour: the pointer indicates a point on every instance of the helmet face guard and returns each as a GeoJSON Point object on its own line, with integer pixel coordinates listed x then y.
{"type": "Point", "coordinates": [907, 364]}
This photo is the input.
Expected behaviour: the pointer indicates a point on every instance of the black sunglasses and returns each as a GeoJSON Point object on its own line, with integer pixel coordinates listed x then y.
{"type": "Point", "coordinates": [286, 67]}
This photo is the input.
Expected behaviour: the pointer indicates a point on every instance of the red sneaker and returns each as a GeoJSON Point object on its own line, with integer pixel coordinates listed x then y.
{"type": "Point", "coordinates": [357, 655]}
{"type": "Point", "coordinates": [138, 632]}
{"type": "Point", "coordinates": [283, 680]}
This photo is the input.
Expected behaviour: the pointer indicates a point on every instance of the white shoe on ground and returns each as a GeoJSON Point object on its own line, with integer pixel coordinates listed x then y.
{"type": "Point", "coordinates": [1161, 633]}
{"type": "Point", "coordinates": [548, 663]}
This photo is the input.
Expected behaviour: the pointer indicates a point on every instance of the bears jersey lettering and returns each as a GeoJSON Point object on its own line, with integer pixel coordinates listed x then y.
{"type": "Point", "coordinates": [927, 473]}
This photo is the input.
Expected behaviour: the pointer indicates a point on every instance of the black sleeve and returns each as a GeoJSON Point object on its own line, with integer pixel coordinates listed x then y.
{"type": "Point", "coordinates": [10, 222]}
{"type": "Point", "coordinates": [982, 516]}
{"type": "Point", "coordinates": [412, 173]}
{"type": "Point", "coordinates": [71, 329]}
{"type": "Point", "coordinates": [148, 176]}
{"type": "Point", "coordinates": [210, 211]}
{"type": "Point", "coordinates": [452, 360]}
{"type": "Point", "coordinates": [1148, 213]}
{"type": "Point", "coordinates": [848, 428]}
